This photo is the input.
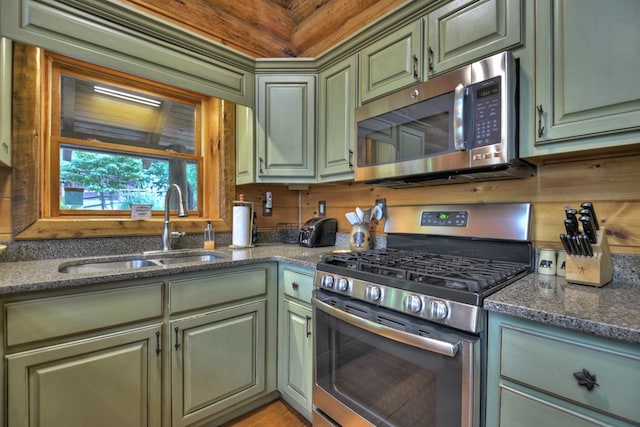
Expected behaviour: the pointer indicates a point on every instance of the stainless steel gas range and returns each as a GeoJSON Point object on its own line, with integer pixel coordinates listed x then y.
{"type": "Point", "coordinates": [400, 331]}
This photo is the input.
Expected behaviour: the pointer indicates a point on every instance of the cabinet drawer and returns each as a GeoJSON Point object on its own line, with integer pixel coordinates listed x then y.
{"type": "Point", "coordinates": [47, 318]}
{"type": "Point", "coordinates": [297, 285]}
{"type": "Point", "coordinates": [214, 289]}
{"type": "Point", "coordinates": [547, 363]}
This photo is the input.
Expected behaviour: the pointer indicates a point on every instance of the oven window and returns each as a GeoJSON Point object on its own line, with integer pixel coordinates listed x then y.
{"type": "Point", "coordinates": [387, 382]}
{"type": "Point", "coordinates": [414, 132]}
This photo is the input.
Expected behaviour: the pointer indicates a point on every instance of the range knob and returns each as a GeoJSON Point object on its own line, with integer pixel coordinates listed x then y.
{"type": "Point", "coordinates": [342, 284]}
{"type": "Point", "coordinates": [412, 304]}
{"type": "Point", "coordinates": [326, 282]}
{"type": "Point", "coordinates": [438, 310]}
{"type": "Point", "coordinates": [372, 293]}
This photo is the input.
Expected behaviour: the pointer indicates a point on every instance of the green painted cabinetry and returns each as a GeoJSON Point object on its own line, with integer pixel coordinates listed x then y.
{"type": "Point", "coordinates": [462, 31]}
{"type": "Point", "coordinates": [5, 101]}
{"type": "Point", "coordinates": [295, 338]}
{"type": "Point", "coordinates": [392, 62]}
{"type": "Point", "coordinates": [222, 341]}
{"type": "Point", "coordinates": [72, 359]}
{"type": "Point", "coordinates": [531, 377]}
{"type": "Point", "coordinates": [285, 128]}
{"type": "Point", "coordinates": [183, 350]}
{"type": "Point", "coordinates": [336, 120]}
{"type": "Point", "coordinates": [245, 146]}
{"type": "Point", "coordinates": [586, 92]}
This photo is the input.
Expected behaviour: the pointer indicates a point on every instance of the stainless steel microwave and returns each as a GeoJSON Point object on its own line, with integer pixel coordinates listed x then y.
{"type": "Point", "coordinates": [457, 127]}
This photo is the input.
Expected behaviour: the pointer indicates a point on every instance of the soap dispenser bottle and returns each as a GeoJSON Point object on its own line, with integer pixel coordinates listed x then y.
{"type": "Point", "coordinates": [209, 237]}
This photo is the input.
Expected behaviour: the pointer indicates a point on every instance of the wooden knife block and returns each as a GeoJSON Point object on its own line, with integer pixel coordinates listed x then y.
{"type": "Point", "coordinates": [593, 271]}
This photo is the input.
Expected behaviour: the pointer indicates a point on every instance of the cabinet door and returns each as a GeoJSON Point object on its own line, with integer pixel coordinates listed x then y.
{"type": "Point", "coordinates": [586, 61]}
{"type": "Point", "coordinates": [391, 63]}
{"type": "Point", "coordinates": [245, 147]}
{"type": "Point", "coordinates": [5, 101]}
{"type": "Point", "coordinates": [285, 130]}
{"type": "Point", "coordinates": [106, 381]}
{"type": "Point", "coordinates": [295, 355]}
{"type": "Point", "coordinates": [218, 361]}
{"type": "Point", "coordinates": [465, 30]}
{"type": "Point", "coordinates": [336, 119]}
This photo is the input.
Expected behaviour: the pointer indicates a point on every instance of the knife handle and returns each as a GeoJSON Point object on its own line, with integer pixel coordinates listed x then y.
{"type": "Point", "coordinates": [586, 245]}
{"type": "Point", "coordinates": [571, 227]}
{"type": "Point", "coordinates": [565, 244]}
{"type": "Point", "coordinates": [589, 206]}
{"type": "Point", "coordinates": [589, 228]}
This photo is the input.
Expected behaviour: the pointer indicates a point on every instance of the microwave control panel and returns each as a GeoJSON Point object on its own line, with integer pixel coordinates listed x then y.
{"type": "Point", "coordinates": [485, 99]}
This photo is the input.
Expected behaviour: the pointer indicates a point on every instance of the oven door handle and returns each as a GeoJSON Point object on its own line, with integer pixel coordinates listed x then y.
{"type": "Point", "coordinates": [425, 343]}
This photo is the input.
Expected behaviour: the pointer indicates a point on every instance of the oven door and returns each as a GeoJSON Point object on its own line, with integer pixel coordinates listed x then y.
{"type": "Point", "coordinates": [373, 367]}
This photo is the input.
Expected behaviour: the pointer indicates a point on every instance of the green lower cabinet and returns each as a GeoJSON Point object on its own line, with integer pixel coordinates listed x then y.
{"type": "Point", "coordinates": [539, 375]}
{"type": "Point", "coordinates": [295, 338]}
{"type": "Point", "coordinates": [105, 381]}
{"type": "Point", "coordinates": [217, 361]}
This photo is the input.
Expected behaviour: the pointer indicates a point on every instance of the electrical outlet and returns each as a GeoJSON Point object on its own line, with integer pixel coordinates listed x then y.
{"type": "Point", "coordinates": [266, 211]}
{"type": "Point", "coordinates": [322, 208]}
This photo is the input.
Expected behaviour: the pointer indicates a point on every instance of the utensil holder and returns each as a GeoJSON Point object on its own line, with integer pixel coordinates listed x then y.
{"type": "Point", "coordinates": [596, 270]}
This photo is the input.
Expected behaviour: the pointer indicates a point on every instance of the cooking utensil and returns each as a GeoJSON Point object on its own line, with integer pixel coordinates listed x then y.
{"type": "Point", "coordinates": [352, 217]}
{"type": "Point", "coordinates": [360, 215]}
{"type": "Point", "coordinates": [366, 215]}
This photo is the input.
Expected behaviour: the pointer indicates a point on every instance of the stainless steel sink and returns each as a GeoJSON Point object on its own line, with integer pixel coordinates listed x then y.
{"type": "Point", "coordinates": [147, 259]}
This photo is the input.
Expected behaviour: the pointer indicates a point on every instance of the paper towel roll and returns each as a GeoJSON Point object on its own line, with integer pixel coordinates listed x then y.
{"type": "Point", "coordinates": [241, 236]}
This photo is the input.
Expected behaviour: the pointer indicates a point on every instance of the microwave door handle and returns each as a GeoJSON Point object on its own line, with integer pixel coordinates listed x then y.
{"type": "Point", "coordinates": [458, 118]}
{"type": "Point", "coordinates": [425, 343]}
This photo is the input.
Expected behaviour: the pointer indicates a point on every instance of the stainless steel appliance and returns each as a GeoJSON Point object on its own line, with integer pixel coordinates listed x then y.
{"type": "Point", "coordinates": [317, 232]}
{"type": "Point", "coordinates": [457, 127]}
{"type": "Point", "coordinates": [400, 337]}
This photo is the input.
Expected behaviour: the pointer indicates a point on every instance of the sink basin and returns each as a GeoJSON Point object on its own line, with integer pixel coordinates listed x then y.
{"type": "Point", "coordinates": [147, 259]}
{"type": "Point", "coordinates": [96, 267]}
{"type": "Point", "coordinates": [189, 258]}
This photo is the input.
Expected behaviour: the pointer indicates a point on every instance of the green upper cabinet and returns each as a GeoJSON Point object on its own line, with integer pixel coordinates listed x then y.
{"type": "Point", "coordinates": [285, 128]}
{"type": "Point", "coordinates": [5, 101]}
{"type": "Point", "coordinates": [587, 53]}
{"type": "Point", "coordinates": [392, 62]}
{"type": "Point", "coordinates": [464, 30]}
{"type": "Point", "coordinates": [336, 120]}
{"type": "Point", "coordinates": [107, 33]}
{"type": "Point", "coordinates": [245, 147]}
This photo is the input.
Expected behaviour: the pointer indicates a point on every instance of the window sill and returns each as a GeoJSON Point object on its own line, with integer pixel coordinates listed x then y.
{"type": "Point", "coordinates": [78, 228]}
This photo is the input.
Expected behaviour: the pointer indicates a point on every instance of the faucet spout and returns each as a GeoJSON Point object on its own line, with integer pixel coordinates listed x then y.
{"type": "Point", "coordinates": [182, 212]}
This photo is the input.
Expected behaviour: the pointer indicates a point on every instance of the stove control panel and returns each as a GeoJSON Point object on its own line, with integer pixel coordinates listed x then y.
{"type": "Point", "coordinates": [444, 218]}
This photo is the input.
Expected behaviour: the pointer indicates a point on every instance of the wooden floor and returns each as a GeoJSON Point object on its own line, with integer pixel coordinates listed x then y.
{"type": "Point", "coordinates": [275, 414]}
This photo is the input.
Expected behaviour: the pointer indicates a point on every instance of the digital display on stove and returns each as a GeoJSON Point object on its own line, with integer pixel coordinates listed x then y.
{"type": "Point", "coordinates": [444, 218]}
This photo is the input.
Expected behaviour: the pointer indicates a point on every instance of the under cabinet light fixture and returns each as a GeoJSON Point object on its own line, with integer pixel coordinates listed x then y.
{"type": "Point", "coordinates": [127, 96]}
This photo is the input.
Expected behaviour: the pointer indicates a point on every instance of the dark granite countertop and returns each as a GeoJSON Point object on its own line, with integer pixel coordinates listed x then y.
{"type": "Point", "coordinates": [611, 311]}
{"type": "Point", "coordinates": [29, 276]}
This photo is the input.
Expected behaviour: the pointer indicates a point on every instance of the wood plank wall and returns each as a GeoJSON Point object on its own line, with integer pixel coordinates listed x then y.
{"type": "Point", "coordinates": [5, 204]}
{"type": "Point", "coordinates": [611, 181]}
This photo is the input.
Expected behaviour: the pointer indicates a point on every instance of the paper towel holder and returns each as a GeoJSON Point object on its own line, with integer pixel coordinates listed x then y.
{"type": "Point", "coordinates": [249, 223]}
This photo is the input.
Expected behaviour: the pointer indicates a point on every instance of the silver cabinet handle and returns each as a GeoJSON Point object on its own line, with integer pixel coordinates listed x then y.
{"type": "Point", "coordinates": [308, 326]}
{"type": "Point", "coordinates": [415, 68]}
{"type": "Point", "coordinates": [425, 343]}
{"type": "Point", "coordinates": [158, 348]}
{"type": "Point", "coordinates": [430, 59]}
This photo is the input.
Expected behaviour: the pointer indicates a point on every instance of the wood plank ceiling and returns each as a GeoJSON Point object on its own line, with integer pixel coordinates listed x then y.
{"type": "Point", "coordinates": [271, 28]}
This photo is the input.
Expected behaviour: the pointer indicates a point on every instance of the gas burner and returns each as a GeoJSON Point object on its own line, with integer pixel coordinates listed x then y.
{"type": "Point", "coordinates": [455, 272]}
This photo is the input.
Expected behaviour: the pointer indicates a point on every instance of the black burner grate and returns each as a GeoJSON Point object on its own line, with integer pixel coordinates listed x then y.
{"type": "Point", "coordinates": [456, 272]}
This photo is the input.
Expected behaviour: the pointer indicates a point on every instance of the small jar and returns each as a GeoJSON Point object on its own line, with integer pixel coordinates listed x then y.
{"type": "Point", "coordinates": [360, 238]}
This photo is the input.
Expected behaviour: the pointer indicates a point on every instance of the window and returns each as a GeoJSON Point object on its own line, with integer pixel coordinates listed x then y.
{"type": "Point", "coordinates": [120, 142]}
{"type": "Point", "coordinates": [77, 129]}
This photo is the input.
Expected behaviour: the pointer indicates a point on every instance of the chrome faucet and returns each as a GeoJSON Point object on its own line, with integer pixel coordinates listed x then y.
{"type": "Point", "coordinates": [182, 212]}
